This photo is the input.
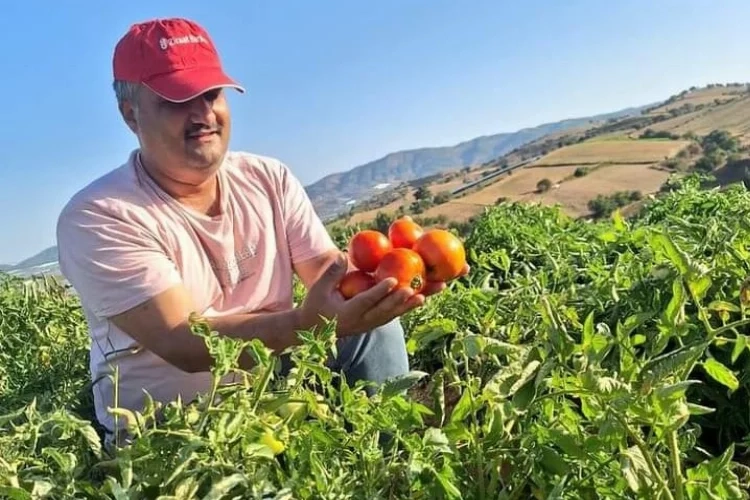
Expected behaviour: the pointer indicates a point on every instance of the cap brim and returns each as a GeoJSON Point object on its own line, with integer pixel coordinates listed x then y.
{"type": "Point", "coordinates": [184, 85]}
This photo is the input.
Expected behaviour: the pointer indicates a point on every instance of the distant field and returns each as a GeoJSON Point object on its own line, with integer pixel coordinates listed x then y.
{"type": "Point", "coordinates": [733, 117]}
{"type": "Point", "coordinates": [435, 188]}
{"type": "Point", "coordinates": [515, 186]}
{"type": "Point", "coordinates": [613, 151]}
{"type": "Point", "coordinates": [707, 96]}
{"type": "Point", "coordinates": [575, 194]}
{"type": "Point", "coordinates": [391, 207]}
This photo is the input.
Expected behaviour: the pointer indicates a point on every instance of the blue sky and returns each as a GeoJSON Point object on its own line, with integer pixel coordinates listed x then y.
{"type": "Point", "coordinates": [333, 84]}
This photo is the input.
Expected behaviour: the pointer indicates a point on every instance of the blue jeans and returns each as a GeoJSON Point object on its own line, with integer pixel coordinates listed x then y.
{"type": "Point", "coordinates": [373, 356]}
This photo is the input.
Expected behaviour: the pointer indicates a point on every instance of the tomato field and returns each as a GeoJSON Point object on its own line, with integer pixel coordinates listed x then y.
{"type": "Point", "coordinates": [577, 360]}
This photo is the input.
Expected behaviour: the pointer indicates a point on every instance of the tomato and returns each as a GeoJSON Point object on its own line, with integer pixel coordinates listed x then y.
{"type": "Point", "coordinates": [443, 254]}
{"type": "Point", "coordinates": [367, 248]}
{"type": "Point", "coordinates": [355, 282]}
{"type": "Point", "coordinates": [404, 232]}
{"type": "Point", "coordinates": [406, 266]}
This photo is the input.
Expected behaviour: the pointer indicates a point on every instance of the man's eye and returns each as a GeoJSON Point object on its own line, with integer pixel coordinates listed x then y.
{"type": "Point", "coordinates": [212, 95]}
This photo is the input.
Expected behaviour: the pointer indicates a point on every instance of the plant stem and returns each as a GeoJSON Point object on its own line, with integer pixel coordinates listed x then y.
{"type": "Point", "coordinates": [214, 387]}
{"type": "Point", "coordinates": [674, 452]}
{"type": "Point", "coordinates": [646, 455]}
{"type": "Point", "coordinates": [264, 383]}
{"type": "Point", "coordinates": [730, 326]}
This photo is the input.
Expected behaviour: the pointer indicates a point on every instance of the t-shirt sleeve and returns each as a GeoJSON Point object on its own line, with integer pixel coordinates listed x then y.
{"type": "Point", "coordinates": [112, 263]}
{"type": "Point", "coordinates": [306, 234]}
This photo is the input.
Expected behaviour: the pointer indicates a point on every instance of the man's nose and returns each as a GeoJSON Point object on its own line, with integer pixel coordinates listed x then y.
{"type": "Point", "coordinates": [202, 109]}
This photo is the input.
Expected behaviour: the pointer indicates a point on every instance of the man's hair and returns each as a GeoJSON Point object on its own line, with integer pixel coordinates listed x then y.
{"type": "Point", "coordinates": [126, 91]}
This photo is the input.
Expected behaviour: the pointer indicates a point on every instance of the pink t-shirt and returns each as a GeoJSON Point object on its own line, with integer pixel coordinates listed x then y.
{"type": "Point", "coordinates": [122, 240]}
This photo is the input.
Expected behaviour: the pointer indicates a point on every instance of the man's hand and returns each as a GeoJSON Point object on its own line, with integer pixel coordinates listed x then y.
{"type": "Point", "coordinates": [433, 287]}
{"type": "Point", "coordinates": [364, 312]}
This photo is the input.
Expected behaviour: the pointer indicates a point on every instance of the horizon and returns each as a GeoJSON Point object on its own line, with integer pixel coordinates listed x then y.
{"type": "Point", "coordinates": [324, 93]}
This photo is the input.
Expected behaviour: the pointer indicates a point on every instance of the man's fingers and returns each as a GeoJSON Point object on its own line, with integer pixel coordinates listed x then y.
{"type": "Point", "coordinates": [398, 308]}
{"type": "Point", "coordinates": [363, 302]}
{"type": "Point", "coordinates": [433, 287]}
{"type": "Point", "coordinates": [387, 307]}
{"type": "Point", "coordinates": [465, 270]}
{"type": "Point", "coordinates": [335, 271]}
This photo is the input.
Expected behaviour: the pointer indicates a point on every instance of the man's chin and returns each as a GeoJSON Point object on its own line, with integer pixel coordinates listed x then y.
{"type": "Point", "coordinates": [205, 158]}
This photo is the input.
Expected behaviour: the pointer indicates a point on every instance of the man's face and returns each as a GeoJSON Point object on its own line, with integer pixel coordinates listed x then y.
{"type": "Point", "coordinates": [193, 135]}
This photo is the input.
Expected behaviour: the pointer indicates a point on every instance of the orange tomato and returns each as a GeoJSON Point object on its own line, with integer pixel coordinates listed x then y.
{"type": "Point", "coordinates": [406, 266]}
{"type": "Point", "coordinates": [404, 232]}
{"type": "Point", "coordinates": [355, 282]}
{"type": "Point", "coordinates": [367, 248]}
{"type": "Point", "coordinates": [443, 254]}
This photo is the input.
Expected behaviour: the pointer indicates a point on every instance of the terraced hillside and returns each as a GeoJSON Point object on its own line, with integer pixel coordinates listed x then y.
{"type": "Point", "coordinates": [634, 155]}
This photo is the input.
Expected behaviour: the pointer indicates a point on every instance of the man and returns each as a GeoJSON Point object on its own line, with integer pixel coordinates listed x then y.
{"type": "Point", "coordinates": [185, 225]}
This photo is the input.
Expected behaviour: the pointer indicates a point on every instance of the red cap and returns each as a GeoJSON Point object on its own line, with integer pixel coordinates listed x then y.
{"type": "Point", "coordinates": [173, 57]}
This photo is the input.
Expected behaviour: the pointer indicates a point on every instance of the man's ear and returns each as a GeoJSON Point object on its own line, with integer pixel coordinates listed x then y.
{"type": "Point", "coordinates": [130, 115]}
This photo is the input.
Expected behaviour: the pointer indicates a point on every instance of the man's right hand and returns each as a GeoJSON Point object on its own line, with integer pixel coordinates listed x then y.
{"type": "Point", "coordinates": [363, 312]}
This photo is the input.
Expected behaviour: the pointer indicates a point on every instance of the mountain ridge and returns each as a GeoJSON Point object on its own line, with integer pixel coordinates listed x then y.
{"type": "Point", "coordinates": [403, 165]}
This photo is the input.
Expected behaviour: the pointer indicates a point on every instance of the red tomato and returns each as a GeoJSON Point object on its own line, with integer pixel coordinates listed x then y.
{"type": "Point", "coordinates": [443, 254]}
{"type": "Point", "coordinates": [406, 266]}
{"type": "Point", "coordinates": [355, 282]}
{"type": "Point", "coordinates": [404, 232]}
{"type": "Point", "coordinates": [367, 248]}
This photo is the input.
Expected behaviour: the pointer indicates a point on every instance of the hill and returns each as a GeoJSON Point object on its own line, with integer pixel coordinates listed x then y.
{"type": "Point", "coordinates": [331, 193]}
{"type": "Point", "coordinates": [46, 259]}
{"type": "Point", "coordinates": [588, 170]}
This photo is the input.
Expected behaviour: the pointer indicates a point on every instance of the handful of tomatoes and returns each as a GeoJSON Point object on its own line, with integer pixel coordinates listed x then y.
{"type": "Point", "coordinates": [409, 253]}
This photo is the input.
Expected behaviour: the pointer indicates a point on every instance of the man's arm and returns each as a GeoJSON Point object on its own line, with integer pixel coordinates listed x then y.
{"type": "Point", "coordinates": [311, 269]}
{"type": "Point", "coordinates": [122, 273]}
{"type": "Point", "coordinates": [161, 325]}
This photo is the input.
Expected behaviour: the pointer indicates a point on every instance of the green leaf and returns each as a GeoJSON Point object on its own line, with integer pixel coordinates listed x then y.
{"type": "Point", "coordinates": [675, 309]}
{"type": "Point", "coordinates": [402, 383]}
{"type": "Point", "coordinates": [670, 363]}
{"type": "Point", "coordinates": [722, 305]}
{"type": "Point", "coordinates": [699, 286]}
{"type": "Point", "coordinates": [527, 375]}
{"type": "Point", "coordinates": [588, 330]}
{"type": "Point", "coordinates": [696, 409]}
{"type": "Point", "coordinates": [463, 408]}
{"type": "Point", "coordinates": [672, 251]}
{"type": "Point", "coordinates": [14, 493]}
{"type": "Point", "coordinates": [41, 488]}
{"type": "Point", "coordinates": [553, 462]}
{"type": "Point", "coordinates": [429, 332]}
{"type": "Point", "coordinates": [567, 443]}
{"type": "Point", "coordinates": [634, 468]}
{"type": "Point", "coordinates": [739, 346]}
{"type": "Point", "coordinates": [618, 221]}
{"type": "Point", "coordinates": [221, 488]}
{"type": "Point", "coordinates": [721, 373]}
{"type": "Point", "coordinates": [608, 236]}
{"type": "Point", "coordinates": [435, 437]}
{"type": "Point", "coordinates": [445, 478]}
{"type": "Point", "coordinates": [674, 391]}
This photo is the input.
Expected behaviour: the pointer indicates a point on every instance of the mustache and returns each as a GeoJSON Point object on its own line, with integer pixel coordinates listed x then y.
{"type": "Point", "coordinates": [202, 128]}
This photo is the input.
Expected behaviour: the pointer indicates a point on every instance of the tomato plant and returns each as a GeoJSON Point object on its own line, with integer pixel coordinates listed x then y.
{"type": "Point", "coordinates": [581, 360]}
{"type": "Point", "coordinates": [367, 248]}
{"type": "Point", "coordinates": [406, 266]}
{"type": "Point", "coordinates": [403, 232]}
{"type": "Point", "coordinates": [443, 254]}
{"type": "Point", "coordinates": [355, 282]}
